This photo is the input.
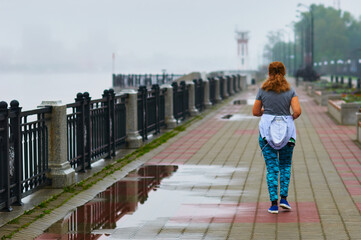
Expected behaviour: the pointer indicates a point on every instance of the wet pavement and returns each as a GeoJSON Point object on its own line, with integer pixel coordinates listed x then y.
{"type": "Point", "coordinates": [209, 182]}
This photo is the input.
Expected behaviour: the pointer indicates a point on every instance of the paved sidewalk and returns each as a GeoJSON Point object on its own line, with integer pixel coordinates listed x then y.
{"type": "Point", "coordinates": [218, 188]}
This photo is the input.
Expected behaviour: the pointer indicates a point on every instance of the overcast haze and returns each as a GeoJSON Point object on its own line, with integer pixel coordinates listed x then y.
{"type": "Point", "coordinates": [145, 35]}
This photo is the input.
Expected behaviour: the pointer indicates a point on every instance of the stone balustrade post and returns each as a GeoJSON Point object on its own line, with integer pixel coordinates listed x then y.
{"type": "Point", "coordinates": [225, 92]}
{"type": "Point", "coordinates": [207, 103]}
{"type": "Point", "coordinates": [191, 100]}
{"type": "Point", "coordinates": [133, 139]}
{"type": "Point", "coordinates": [243, 83]}
{"type": "Point", "coordinates": [61, 173]}
{"type": "Point", "coordinates": [218, 86]}
{"type": "Point", "coordinates": [170, 121]}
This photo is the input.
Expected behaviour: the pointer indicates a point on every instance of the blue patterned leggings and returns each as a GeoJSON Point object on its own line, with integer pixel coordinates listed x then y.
{"type": "Point", "coordinates": [277, 161]}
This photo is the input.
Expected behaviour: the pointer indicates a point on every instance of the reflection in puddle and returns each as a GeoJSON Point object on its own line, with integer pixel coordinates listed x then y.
{"type": "Point", "coordinates": [149, 195]}
{"type": "Point", "coordinates": [100, 215]}
{"type": "Point", "coordinates": [237, 117]}
{"type": "Point", "coordinates": [249, 101]}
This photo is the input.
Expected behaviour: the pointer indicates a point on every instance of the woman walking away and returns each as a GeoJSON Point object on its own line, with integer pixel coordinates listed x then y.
{"type": "Point", "coordinates": [277, 131]}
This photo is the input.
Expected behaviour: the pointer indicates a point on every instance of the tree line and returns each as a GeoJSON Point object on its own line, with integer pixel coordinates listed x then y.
{"type": "Point", "coordinates": [332, 35]}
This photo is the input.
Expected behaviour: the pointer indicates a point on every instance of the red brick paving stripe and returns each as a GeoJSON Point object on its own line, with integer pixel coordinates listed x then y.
{"type": "Point", "coordinates": [245, 213]}
{"type": "Point", "coordinates": [354, 190]}
{"type": "Point", "coordinates": [343, 168]}
{"type": "Point", "coordinates": [351, 182]}
{"type": "Point", "coordinates": [359, 206]}
{"type": "Point", "coordinates": [346, 174]}
{"type": "Point", "coordinates": [339, 163]}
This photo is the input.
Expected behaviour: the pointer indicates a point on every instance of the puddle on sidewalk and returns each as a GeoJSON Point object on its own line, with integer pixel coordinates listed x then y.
{"type": "Point", "coordinates": [145, 197]}
{"type": "Point", "coordinates": [237, 117]}
{"type": "Point", "coordinates": [249, 101]}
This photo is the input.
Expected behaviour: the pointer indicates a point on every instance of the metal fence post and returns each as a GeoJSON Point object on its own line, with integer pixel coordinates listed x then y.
{"type": "Point", "coordinates": [87, 131]}
{"type": "Point", "coordinates": [342, 80]}
{"type": "Point", "coordinates": [143, 118]}
{"type": "Point", "coordinates": [80, 126]}
{"type": "Point", "coordinates": [112, 119]}
{"type": "Point", "coordinates": [5, 167]}
{"type": "Point", "coordinates": [15, 136]}
{"type": "Point", "coordinates": [350, 82]}
{"type": "Point", "coordinates": [107, 123]}
{"type": "Point", "coordinates": [229, 86]}
{"type": "Point", "coordinates": [218, 90]}
{"type": "Point", "coordinates": [235, 89]}
{"type": "Point", "coordinates": [184, 99]}
{"type": "Point", "coordinates": [175, 100]}
{"type": "Point", "coordinates": [239, 82]}
{"type": "Point", "coordinates": [358, 84]}
{"type": "Point", "coordinates": [156, 90]}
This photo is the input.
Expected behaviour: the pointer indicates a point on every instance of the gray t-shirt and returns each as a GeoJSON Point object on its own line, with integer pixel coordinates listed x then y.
{"type": "Point", "coordinates": [276, 103]}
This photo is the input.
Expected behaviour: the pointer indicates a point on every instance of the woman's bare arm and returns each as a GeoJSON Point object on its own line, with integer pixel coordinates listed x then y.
{"type": "Point", "coordinates": [295, 105]}
{"type": "Point", "coordinates": [257, 108]}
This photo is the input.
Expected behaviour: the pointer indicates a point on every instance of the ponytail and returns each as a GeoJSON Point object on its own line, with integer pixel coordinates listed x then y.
{"type": "Point", "coordinates": [276, 81]}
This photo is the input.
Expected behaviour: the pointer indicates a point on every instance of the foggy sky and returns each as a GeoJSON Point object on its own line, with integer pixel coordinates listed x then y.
{"type": "Point", "coordinates": [145, 35]}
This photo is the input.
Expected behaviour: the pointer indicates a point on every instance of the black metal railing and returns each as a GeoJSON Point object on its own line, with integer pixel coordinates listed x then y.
{"type": "Point", "coordinates": [212, 90]}
{"type": "Point", "coordinates": [151, 110]}
{"type": "Point", "coordinates": [350, 81]}
{"type": "Point", "coordinates": [95, 128]}
{"type": "Point", "coordinates": [221, 87]}
{"type": "Point", "coordinates": [348, 67]}
{"type": "Point", "coordinates": [180, 100]}
{"type": "Point", "coordinates": [23, 152]}
{"type": "Point", "coordinates": [234, 83]}
{"type": "Point", "coordinates": [137, 80]}
{"type": "Point", "coordinates": [238, 80]}
{"type": "Point", "coordinates": [199, 94]}
{"type": "Point", "coordinates": [228, 79]}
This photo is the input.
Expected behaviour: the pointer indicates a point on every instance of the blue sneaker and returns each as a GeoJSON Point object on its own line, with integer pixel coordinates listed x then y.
{"type": "Point", "coordinates": [284, 204]}
{"type": "Point", "coordinates": [273, 209]}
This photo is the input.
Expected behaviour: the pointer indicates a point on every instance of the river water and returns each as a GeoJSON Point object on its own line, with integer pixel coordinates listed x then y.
{"type": "Point", "coordinates": [31, 89]}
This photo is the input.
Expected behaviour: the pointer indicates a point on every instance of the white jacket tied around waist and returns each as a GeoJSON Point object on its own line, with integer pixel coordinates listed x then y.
{"type": "Point", "coordinates": [277, 133]}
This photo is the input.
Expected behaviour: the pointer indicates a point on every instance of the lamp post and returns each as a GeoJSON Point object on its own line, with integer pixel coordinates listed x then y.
{"type": "Point", "coordinates": [290, 55]}
{"type": "Point", "coordinates": [294, 51]}
{"type": "Point", "coordinates": [310, 57]}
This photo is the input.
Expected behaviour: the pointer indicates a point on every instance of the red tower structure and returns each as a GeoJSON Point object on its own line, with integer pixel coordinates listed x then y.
{"type": "Point", "coordinates": [242, 49]}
